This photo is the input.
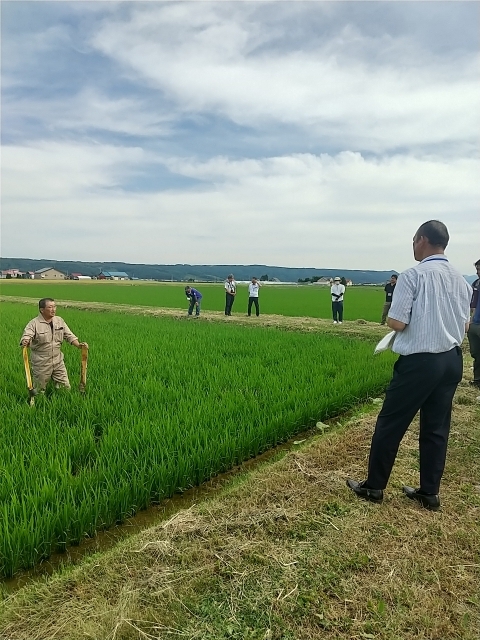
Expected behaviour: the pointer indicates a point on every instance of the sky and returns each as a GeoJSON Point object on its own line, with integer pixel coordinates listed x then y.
{"type": "Point", "coordinates": [298, 134]}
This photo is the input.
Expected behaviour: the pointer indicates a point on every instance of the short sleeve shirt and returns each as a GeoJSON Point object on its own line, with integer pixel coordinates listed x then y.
{"type": "Point", "coordinates": [433, 300]}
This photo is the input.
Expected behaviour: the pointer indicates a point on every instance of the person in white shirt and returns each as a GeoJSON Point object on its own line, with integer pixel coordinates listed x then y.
{"type": "Point", "coordinates": [230, 293]}
{"type": "Point", "coordinates": [253, 289]}
{"type": "Point", "coordinates": [430, 313]}
{"type": "Point", "coordinates": [337, 290]}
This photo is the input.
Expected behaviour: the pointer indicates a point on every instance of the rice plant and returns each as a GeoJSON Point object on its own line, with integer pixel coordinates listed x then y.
{"type": "Point", "coordinates": [168, 405]}
{"type": "Point", "coordinates": [291, 300]}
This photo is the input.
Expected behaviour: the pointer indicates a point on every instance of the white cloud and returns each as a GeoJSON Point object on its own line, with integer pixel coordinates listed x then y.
{"type": "Point", "coordinates": [91, 110]}
{"type": "Point", "coordinates": [51, 171]}
{"type": "Point", "coordinates": [222, 59]}
{"type": "Point", "coordinates": [312, 84]}
{"type": "Point", "coordinates": [300, 210]}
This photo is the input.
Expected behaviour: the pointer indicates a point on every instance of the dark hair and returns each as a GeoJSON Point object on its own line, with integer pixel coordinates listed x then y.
{"type": "Point", "coordinates": [435, 232]}
{"type": "Point", "coordinates": [187, 288]}
{"type": "Point", "coordinates": [43, 302]}
{"type": "Point", "coordinates": [394, 275]}
{"type": "Point", "coordinates": [477, 263]}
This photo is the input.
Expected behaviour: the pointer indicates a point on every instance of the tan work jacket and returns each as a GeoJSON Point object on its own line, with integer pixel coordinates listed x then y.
{"type": "Point", "coordinates": [46, 340]}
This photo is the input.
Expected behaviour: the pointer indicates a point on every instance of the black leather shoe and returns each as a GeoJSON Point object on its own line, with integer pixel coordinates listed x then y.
{"type": "Point", "coordinates": [374, 495]}
{"type": "Point", "coordinates": [430, 502]}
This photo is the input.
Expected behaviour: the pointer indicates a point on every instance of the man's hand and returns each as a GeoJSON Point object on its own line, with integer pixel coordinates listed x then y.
{"type": "Point", "coordinates": [25, 342]}
{"type": "Point", "coordinates": [79, 345]}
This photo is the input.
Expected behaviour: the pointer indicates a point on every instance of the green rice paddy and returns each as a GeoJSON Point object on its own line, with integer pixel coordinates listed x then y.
{"type": "Point", "coordinates": [169, 404]}
{"type": "Point", "coordinates": [287, 300]}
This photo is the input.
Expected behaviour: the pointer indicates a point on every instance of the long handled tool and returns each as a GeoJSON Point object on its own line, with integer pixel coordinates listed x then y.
{"type": "Point", "coordinates": [83, 371]}
{"type": "Point", "coordinates": [31, 390]}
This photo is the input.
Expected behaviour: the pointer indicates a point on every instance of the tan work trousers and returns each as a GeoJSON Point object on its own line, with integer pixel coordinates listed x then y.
{"type": "Point", "coordinates": [385, 310]}
{"type": "Point", "coordinates": [45, 369]}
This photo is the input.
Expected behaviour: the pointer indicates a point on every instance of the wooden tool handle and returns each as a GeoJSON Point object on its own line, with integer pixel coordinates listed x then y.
{"type": "Point", "coordinates": [26, 362]}
{"type": "Point", "coordinates": [83, 372]}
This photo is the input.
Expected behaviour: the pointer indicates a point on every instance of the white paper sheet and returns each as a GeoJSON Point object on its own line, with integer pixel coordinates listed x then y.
{"type": "Point", "coordinates": [386, 342]}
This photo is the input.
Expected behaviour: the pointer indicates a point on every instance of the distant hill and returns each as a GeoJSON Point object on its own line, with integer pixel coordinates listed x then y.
{"type": "Point", "coordinates": [203, 273]}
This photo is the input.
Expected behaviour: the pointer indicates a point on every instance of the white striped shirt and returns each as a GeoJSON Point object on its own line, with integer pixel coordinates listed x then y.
{"type": "Point", "coordinates": [433, 300]}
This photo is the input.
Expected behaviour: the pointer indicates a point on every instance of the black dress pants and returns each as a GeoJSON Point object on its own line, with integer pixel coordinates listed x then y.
{"type": "Point", "coordinates": [424, 382]}
{"type": "Point", "coordinates": [474, 342]}
{"type": "Point", "coordinates": [229, 299]}
{"type": "Point", "coordinates": [257, 308]}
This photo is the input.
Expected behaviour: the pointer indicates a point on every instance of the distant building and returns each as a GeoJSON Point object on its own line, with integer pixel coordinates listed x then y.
{"type": "Point", "coordinates": [49, 273]}
{"type": "Point", "coordinates": [12, 273]}
{"type": "Point", "coordinates": [79, 276]}
{"type": "Point", "coordinates": [113, 275]}
{"type": "Point", "coordinates": [326, 282]}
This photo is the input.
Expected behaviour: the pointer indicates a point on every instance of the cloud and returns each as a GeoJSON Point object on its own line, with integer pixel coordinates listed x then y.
{"type": "Point", "coordinates": [361, 91]}
{"type": "Point", "coordinates": [339, 211]}
{"type": "Point", "coordinates": [46, 172]}
{"type": "Point", "coordinates": [89, 111]}
{"type": "Point", "coordinates": [314, 134]}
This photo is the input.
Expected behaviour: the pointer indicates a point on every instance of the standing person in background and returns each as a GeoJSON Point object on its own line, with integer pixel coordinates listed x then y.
{"type": "Point", "coordinates": [253, 289]}
{"type": "Point", "coordinates": [389, 289]}
{"type": "Point", "coordinates": [230, 293]}
{"type": "Point", "coordinates": [337, 290]}
{"type": "Point", "coordinates": [430, 313]}
{"type": "Point", "coordinates": [44, 335]}
{"type": "Point", "coordinates": [474, 329]}
{"type": "Point", "coordinates": [193, 296]}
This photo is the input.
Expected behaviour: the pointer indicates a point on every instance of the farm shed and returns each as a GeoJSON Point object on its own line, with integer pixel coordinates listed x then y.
{"type": "Point", "coordinates": [49, 273]}
{"type": "Point", "coordinates": [113, 275]}
{"type": "Point", "coordinates": [12, 273]}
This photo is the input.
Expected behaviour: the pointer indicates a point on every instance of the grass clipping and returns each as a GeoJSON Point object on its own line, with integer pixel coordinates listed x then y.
{"type": "Point", "coordinates": [287, 552]}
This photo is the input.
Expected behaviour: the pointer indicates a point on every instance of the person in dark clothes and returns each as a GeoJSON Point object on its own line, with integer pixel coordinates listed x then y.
{"type": "Point", "coordinates": [389, 289]}
{"type": "Point", "coordinates": [230, 293]}
{"type": "Point", "coordinates": [194, 297]}
{"type": "Point", "coordinates": [474, 329]}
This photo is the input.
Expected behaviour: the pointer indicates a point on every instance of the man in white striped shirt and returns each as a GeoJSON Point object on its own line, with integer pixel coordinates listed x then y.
{"type": "Point", "coordinates": [430, 313]}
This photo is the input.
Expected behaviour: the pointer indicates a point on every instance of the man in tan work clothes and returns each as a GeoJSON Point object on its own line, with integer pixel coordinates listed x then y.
{"type": "Point", "coordinates": [45, 334]}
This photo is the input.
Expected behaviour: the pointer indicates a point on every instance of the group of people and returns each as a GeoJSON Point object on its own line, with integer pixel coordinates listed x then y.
{"type": "Point", "coordinates": [337, 291]}
{"type": "Point", "coordinates": [194, 297]}
{"type": "Point", "coordinates": [430, 307]}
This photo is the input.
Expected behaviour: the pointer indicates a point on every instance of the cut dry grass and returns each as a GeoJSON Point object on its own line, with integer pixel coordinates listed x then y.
{"type": "Point", "coordinates": [287, 552]}
{"type": "Point", "coordinates": [352, 328]}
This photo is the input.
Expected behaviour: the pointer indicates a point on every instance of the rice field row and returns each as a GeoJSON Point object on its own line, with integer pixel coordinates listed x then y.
{"type": "Point", "coordinates": [168, 405]}
{"type": "Point", "coordinates": [295, 301]}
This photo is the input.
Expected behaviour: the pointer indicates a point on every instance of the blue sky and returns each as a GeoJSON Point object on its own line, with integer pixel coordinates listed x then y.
{"type": "Point", "coordinates": [316, 134]}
